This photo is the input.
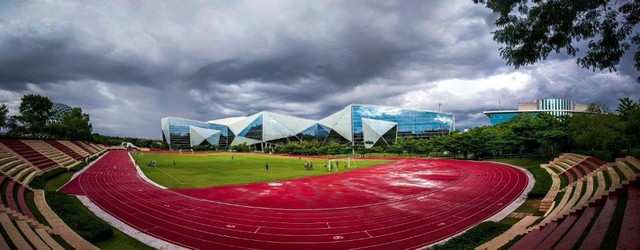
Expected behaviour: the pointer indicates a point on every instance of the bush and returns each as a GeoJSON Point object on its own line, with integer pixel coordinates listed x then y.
{"type": "Point", "coordinates": [78, 218]}
{"type": "Point", "coordinates": [40, 181]}
{"type": "Point", "coordinates": [313, 148]}
{"type": "Point", "coordinates": [243, 147]}
{"type": "Point", "coordinates": [79, 167]}
{"type": "Point", "coordinates": [635, 152]}
{"type": "Point", "coordinates": [600, 154]}
{"type": "Point", "coordinates": [474, 237]}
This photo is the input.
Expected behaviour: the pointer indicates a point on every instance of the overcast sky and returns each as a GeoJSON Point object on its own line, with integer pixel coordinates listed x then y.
{"type": "Point", "coordinates": [129, 63]}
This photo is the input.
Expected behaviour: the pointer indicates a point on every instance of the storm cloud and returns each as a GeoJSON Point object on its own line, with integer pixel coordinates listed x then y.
{"type": "Point", "coordinates": [129, 63]}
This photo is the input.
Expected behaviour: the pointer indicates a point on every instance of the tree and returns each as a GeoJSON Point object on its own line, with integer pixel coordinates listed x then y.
{"type": "Point", "coordinates": [74, 125]}
{"type": "Point", "coordinates": [530, 30]}
{"type": "Point", "coordinates": [34, 114]}
{"type": "Point", "coordinates": [626, 107]}
{"type": "Point", "coordinates": [596, 108]}
{"type": "Point", "coordinates": [629, 112]}
{"type": "Point", "coordinates": [598, 132]}
{"type": "Point", "coordinates": [4, 111]}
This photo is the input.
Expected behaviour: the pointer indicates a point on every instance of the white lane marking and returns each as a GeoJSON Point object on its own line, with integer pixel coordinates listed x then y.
{"type": "Point", "coordinates": [367, 232]}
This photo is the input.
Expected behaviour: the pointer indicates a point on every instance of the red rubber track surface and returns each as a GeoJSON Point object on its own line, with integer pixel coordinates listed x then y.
{"type": "Point", "coordinates": [402, 205]}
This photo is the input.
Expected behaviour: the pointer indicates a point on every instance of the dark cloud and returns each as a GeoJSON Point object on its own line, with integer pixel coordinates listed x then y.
{"type": "Point", "coordinates": [130, 63]}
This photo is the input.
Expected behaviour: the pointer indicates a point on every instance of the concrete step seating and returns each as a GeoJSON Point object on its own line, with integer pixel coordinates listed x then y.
{"type": "Point", "coordinates": [15, 166]}
{"type": "Point", "coordinates": [573, 166]}
{"type": "Point", "coordinates": [95, 148]}
{"type": "Point", "coordinates": [587, 209]}
{"type": "Point", "coordinates": [58, 226]}
{"type": "Point", "coordinates": [51, 152]}
{"type": "Point", "coordinates": [65, 149]}
{"type": "Point", "coordinates": [29, 154]}
{"type": "Point", "coordinates": [85, 147]}
{"type": "Point", "coordinates": [24, 231]}
{"type": "Point", "coordinates": [77, 149]}
{"type": "Point", "coordinates": [517, 229]}
{"type": "Point", "coordinates": [548, 201]}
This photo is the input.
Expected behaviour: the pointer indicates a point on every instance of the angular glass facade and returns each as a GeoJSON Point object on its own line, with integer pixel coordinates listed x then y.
{"type": "Point", "coordinates": [175, 131]}
{"type": "Point", "coordinates": [384, 124]}
{"type": "Point", "coordinates": [411, 122]}
{"type": "Point", "coordinates": [316, 132]}
{"type": "Point", "coordinates": [254, 130]}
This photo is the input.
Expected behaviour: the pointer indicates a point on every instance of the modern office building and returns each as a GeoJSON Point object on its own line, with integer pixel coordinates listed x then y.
{"type": "Point", "coordinates": [554, 106]}
{"type": "Point", "coordinates": [356, 124]}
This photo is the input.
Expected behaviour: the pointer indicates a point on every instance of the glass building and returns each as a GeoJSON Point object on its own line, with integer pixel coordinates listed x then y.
{"type": "Point", "coordinates": [356, 124]}
{"type": "Point", "coordinates": [554, 106]}
{"type": "Point", "coordinates": [184, 133]}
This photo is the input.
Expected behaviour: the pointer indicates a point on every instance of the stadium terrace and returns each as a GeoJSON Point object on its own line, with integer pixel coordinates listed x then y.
{"type": "Point", "coordinates": [356, 124]}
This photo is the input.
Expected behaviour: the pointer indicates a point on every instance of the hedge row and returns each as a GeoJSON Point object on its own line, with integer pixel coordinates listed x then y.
{"type": "Point", "coordinates": [78, 218]}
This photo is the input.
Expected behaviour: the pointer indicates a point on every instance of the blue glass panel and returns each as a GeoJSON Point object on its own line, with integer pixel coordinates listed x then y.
{"type": "Point", "coordinates": [497, 118]}
{"type": "Point", "coordinates": [253, 130]}
{"type": "Point", "coordinates": [315, 132]}
{"type": "Point", "coordinates": [410, 122]}
{"type": "Point", "coordinates": [179, 130]}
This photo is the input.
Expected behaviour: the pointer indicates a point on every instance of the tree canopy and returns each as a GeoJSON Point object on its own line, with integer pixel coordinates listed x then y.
{"type": "Point", "coordinates": [35, 119]}
{"type": "Point", "coordinates": [4, 112]}
{"type": "Point", "coordinates": [34, 113]}
{"type": "Point", "coordinates": [530, 30]}
{"type": "Point", "coordinates": [74, 125]}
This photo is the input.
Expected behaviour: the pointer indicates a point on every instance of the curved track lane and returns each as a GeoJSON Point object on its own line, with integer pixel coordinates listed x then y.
{"type": "Point", "coordinates": [406, 204]}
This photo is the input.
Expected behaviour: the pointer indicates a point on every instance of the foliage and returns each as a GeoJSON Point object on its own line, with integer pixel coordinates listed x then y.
{"type": "Point", "coordinates": [35, 119]}
{"type": "Point", "coordinates": [597, 132]}
{"type": "Point", "coordinates": [78, 218]}
{"type": "Point", "coordinates": [4, 111]}
{"type": "Point", "coordinates": [596, 108]}
{"type": "Point", "coordinates": [34, 114]}
{"type": "Point", "coordinates": [629, 112]}
{"type": "Point", "coordinates": [530, 30]}
{"type": "Point", "coordinates": [242, 147]}
{"type": "Point", "coordinates": [74, 125]}
{"type": "Point", "coordinates": [40, 181]}
{"type": "Point", "coordinates": [313, 148]}
{"type": "Point", "coordinates": [475, 236]}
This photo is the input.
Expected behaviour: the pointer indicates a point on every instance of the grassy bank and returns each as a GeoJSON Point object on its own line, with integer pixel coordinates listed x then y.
{"type": "Point", "coordinates": [542, 177]}
{"type": "Point", "coordinates": [81, 219]}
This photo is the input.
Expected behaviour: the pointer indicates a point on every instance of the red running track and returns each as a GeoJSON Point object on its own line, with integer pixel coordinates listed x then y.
{"type": "Point", "coordinates": [406, 204]}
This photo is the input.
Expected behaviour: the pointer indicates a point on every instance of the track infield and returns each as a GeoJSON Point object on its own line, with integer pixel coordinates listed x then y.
{"type": "Point", "coordinates": [405, 204]}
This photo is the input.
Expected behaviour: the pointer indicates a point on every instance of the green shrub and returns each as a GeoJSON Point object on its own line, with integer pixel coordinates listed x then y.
{"type": "Point", "coordinates": [475, 236]}
{"type": "Point", "coordinates": [40, 181]}
{"type": "Point", "coordinates": [243, 147]}
{"type": "Point", "coordinates": [635, 152]}
{"type": "Point", "coordinates": [604, 155]}
{"type": "Point", "coordinates": [78, 218]}
{"type": "Point", "coordinates": [79, 167]}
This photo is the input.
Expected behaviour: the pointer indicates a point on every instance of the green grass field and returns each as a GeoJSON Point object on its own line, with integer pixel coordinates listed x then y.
{"type": "Point", "coordinates": [216, 169]}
